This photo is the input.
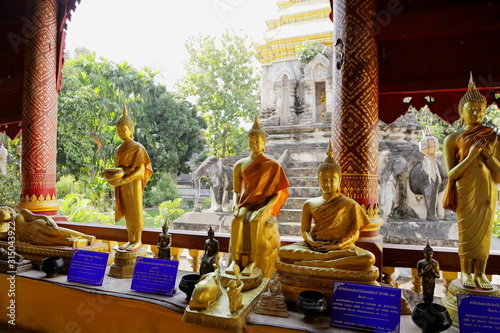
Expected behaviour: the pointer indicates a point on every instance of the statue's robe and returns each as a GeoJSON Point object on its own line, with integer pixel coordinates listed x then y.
{"type": "Point", "coordinates": [130, 155]}
{"type": "Point", "coordinates": [339, 221]}
{"type": "Point", "coordinates": [263, 178]}
{"type": "Point", "coordinates": [473, 195]}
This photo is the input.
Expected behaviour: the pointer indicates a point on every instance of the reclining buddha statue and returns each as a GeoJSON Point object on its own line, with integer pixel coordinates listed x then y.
{"type": "Point", "coordinates": [328, 252]}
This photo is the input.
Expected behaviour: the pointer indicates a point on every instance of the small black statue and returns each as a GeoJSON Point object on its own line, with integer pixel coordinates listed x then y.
{"type": "Point", "coordinates": [164, 240]}
{"type": "Point", "coordinates": [428, 270]}
{"type": "Point", "coordinates": [429, 316]}
{"type": "Point", "coordinates": [211, 254]}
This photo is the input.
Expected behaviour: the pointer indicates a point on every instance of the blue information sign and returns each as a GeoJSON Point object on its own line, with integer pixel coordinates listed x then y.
{"type": "Point", "coordinates": [155, 276]}
{"type": "Point", "coordinates": [478, 313]}
{"type": "Point", "coordinates": [88, 267]}
{"type": "Point", "coordinates": [367, 308]}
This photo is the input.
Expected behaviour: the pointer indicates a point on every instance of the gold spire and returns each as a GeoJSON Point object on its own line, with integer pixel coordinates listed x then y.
{"type": "Point", "coordinates": [125, 119]}
{"type": "Point", "coordinates": [257, 130]}
{"type": "Point", "coordinates": [472, 95]}
{"type": "Point", "coordinates": [329, 163]}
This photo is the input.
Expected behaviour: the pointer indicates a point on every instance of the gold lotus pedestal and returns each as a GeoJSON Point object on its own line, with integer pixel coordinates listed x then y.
{"type": "Point", "coordinates": [296, 279]}
{"type": "Point", "coordinates": [123, 266]}
{"type": "Point", "coordinates": [456, 287]}
{"type": "Point", "coordinates": [219, 315]}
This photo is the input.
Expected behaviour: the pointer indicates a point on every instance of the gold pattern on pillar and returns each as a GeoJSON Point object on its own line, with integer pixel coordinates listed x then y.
{"type": "Point", "coordinates": [38, 191]}
{"type": "Point", "coordinates": [355, 104]}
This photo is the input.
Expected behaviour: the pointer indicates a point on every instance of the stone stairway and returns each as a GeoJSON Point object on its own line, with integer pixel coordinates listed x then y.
{"type": "Point", "coordinates": [306, 147]}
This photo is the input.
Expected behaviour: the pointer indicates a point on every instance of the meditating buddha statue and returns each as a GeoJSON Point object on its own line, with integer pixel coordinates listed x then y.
{"type": "Point", "coordinates": [260, 189]}
{"type": "Point", "coordinates": [132, 173]}
{"type": "Point", "coordinates": [328, 252]}
{"type": "Point", "coordinates": [471, 157]}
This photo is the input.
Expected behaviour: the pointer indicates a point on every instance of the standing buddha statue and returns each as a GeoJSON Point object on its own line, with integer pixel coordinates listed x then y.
{"type": "Point", "coordinates": [134, 170]}
{"type": "Point", "coordinates": [471, 157]}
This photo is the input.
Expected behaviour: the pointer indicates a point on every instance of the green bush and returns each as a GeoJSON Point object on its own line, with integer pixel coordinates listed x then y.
{"type": "Point", "coordinates": [10, 186]}
{"type": "Point", "coordinates": [169, 212]}
{"type": "Point", "coordinates": [162, 190]}
{"type": "Point", "coordinates": [79, 209]}
{"type": "Point", "coordinates": [206, 203]}
{"type": "Point", "coordinates": [496, 224]}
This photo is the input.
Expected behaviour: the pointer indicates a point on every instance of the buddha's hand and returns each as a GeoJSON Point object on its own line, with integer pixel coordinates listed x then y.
{"type": "Point", "coordinates": [239, 211]}
{"type": "Point", "coordinates": [329, 247]}
{"type": "Point", "coordinates": [117, 182]}
{"type": "Point", "coordinates": [477, 147]}
{"type": "Point", "coordinates": [263, 212]}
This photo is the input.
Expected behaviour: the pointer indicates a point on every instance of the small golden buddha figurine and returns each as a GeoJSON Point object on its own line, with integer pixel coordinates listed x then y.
{"type": "Point", "coordinates": [37, 229]}
{"type": "Point", "coordinates": [471, 157]}
{"type": "Point", "coordinates": [428, 270]}
{"type": "Point", "coordinates": [233, 289]}
{"type": "Point", "coordinates": [260, 189]}
{"type": "Point", "coordinates": [132, 173]}
{"type": "Point", "coordinates": [337, 223]}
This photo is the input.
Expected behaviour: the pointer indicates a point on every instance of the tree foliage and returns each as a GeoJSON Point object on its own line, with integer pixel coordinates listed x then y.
{"type": "Point", "coordinates": [440, 129]}
{"type": "Point", "coordinates": [223, 81]}
{"type": "Point", "coordinates": [91, 101]}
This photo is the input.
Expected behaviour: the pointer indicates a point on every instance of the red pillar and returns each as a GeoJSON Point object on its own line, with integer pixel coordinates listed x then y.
{"type": "Point", "coordinates": [38, 192]}
{"type": "Point", "coordinates": [355, 106]}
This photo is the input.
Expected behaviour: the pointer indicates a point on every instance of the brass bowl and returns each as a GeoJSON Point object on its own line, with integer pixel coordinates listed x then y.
{"type": "Point", "coordinates": [113, 174]}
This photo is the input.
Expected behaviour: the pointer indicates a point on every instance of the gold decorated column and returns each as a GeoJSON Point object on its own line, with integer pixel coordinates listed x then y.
{"type": "Point", "coordinates": [38, 192]}
{"type": "Point", "coordinates": [355, 106]}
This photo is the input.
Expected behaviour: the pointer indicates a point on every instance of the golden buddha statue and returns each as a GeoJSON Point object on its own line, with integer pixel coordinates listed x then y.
{"type": "Point", "coordinates": [132, 173]}
{"type": "Point", "coordinates": [328, 252]}
{"type": "Point", "coordinates": [471, 157]}
{"type": "Point", "coordinates": [260, 189]}
{"type": "Point", "coordinates": [337, 223]}
{"type": "Point", "coordinates": [37, 229]}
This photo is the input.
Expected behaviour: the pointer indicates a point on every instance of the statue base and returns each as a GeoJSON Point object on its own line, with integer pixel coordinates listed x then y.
{"type": "Point", "coordinates": [36, 253]}
{"type": "Point", "coordinates": [249, 282]}
{"type": "Point", "coordinates": [449, 301]}
{"type": "Point", "coordinates": [17, 267]}
{"type": "Point", "coordinates": [296, 279]}
{"type": "Point", "coordinates": [219, 316]}
{"type": "Point", "coordinates": [124, 264]}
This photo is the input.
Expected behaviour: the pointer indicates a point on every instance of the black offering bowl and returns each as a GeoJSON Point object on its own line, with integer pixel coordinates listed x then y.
{"type": "Point", "coordinates": [187, 284]}
{"type": "Point", "coordinates": [311, 303]}
{"type": "Point", "coordinates": [431, 317]}
{"type": "Point", "coordinates": [51, 266]}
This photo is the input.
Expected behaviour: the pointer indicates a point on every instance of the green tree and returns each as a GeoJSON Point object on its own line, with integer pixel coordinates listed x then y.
{"type": "Point", "coordinates": [93, 94]}
{"type": "Point", "coordinates": [440, 129]}
{"type": "Point", "coordinates": [223, 81]}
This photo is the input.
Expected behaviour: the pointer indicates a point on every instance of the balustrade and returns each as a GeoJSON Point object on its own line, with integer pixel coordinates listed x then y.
{"type": "Point", "coordinates": [394, 255]}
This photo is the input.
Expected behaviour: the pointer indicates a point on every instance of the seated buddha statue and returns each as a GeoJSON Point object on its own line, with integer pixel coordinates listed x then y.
{"type": "Point", "coordinates": [471, 157]}
{"type": "Point", "coordinates": [259, 191]}
{"type": "Point", "coordinates": [328, 251]}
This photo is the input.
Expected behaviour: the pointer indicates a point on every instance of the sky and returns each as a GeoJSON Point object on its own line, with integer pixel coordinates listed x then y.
{"type": "Point", "coordinates": [152, 32]}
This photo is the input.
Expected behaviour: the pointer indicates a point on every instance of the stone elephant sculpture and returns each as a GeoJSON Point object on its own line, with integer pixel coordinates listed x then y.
{"type": "Point", "coordinates": [428, 178]}
{"type": "Point", "coordinates": [220, 180]}
{"type": "Point", "coordinates": [392, 175]}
